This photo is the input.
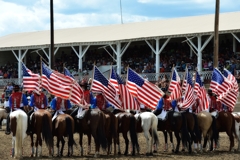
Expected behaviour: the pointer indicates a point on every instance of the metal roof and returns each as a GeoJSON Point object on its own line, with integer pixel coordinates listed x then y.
{"type": "Point", "coordinates": [164, 28]}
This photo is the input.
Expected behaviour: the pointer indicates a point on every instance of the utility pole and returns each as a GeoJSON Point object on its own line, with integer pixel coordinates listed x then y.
{"type": "Point", "coordinates": [216, 36]}
{"type": "Point", "coordinates": [121, 11]}
{"type": "Point", "coordinates": [52, 35]}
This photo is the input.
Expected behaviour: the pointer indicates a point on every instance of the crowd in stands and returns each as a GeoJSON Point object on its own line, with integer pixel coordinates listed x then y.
{"type": "Point", "coordinates": [138, 57]}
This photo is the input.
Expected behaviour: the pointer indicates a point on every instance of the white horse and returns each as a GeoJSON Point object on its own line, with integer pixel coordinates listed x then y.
{"type": "Point", "coordinates": [149, 121]}
{"type": "Point", "coordinates": [18, 125]}
{"type": "Point", "coordinates": [237, 126]}
{"type": "Point", "coordinates": [3, 115]}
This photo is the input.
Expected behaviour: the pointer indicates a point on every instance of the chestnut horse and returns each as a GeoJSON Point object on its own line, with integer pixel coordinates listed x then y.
{"type": "Point", "coordinates": [63, 126]}
{"type": "Point", "coordinates": [41, 125]}
{"type": "Point", "coordinates": [126, 122]}
{"type": "Point", "coordinates": [226, 123]}
{"type": "Point", "coordinates": [92, 123]}
{"type": "Point", "coordinates": [208, 130]}
{"type": "Point", "coordinates": [18, 125]}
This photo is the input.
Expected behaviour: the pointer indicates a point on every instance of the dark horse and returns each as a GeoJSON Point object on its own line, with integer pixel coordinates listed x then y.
{"type": "Point", "coordinates": [41, 123]}
{"type": "Point", "coordinates": [63, 126]}
{"type": "Point", "coordinates": [175, 122]}
{"type": "Point", "coordinates": [92, 123]}
{"type": "Point", "coordinates": [192, 126]}
{"type": "Point", "coordinates": [226, 123]}
{"type": "Point", "coordinates": [111, 127]}
{"type": "Point", "coordinates": [127, 122]}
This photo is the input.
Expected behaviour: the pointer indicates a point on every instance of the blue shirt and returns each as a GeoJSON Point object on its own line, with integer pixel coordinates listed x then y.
{"type": "Point", "coordinates": [32, 101]}
{"type": "Point", "coordinates": [93, 101]}
{"type": "Point", "coordinates": [161, 103]}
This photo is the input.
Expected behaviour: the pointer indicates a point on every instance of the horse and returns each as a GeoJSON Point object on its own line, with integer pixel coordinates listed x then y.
{"type": "Point", "coordinates": [175, 122]}
{"type": "Point", "coordinates": [126, 122]}
{"type": "Point", "coordinates": [237, 126]}
{"type": "Point", "coordinates": [3, 115]}
{"type": "Point", "coordinates": [207, 127]}
{"type": "Point", "coordinates": [148, 122]}
{"type": "Point", "coordinates": [226, 123]}
{"type": "Point", "coordinates": [41, 125]}
{"type": "Point", "coordinates": [91, 123]}
{"type": "Point", "coordinates": [63, 126]}
{"type": "Point", "coordinates": [193, 129]}
{"type": "Point", "coordinates": [111, 127]}
{"type": "Point", "coordinates": [18, 126]}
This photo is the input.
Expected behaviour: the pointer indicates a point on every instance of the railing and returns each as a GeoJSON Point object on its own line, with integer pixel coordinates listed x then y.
{"type": "Point", "coordinates": [152, 77]}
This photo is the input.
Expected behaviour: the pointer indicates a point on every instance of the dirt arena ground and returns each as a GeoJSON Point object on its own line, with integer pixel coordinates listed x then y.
{"type": "Point", "coordinates": [221, 153]}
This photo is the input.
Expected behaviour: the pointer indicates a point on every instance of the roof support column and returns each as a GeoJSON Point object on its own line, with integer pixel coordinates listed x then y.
{"type": "Point", "coordinates": [19, 58]}
{"type": "Point", "coordinates": [158, 51]}
{"type": "Point", "coordinates": [235, 36]}
{"type": "Point", "coordinates": [234, 45]}
{"type": "Point", "coordinates": [81, 52]}
{"type": "Point", "coordinates": [49, 56]}
{"type": "Point", "coordinates": [119, 53]}
{"type": "Point", "coordinates": [199, 51]}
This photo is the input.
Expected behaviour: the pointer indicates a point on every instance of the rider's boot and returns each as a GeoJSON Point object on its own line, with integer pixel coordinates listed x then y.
{"type": "Point", "coordinates": [7, 132]}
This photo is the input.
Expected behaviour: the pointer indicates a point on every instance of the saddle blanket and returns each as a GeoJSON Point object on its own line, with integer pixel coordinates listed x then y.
{"type": "Point", "coordinates": [163, 115]}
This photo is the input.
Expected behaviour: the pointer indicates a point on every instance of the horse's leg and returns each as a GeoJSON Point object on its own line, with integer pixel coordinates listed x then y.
{"type": "Point", "coordinates": [32, 145]}
{"type": "Point", "coordinates": [118, 143]}
{"type": "Point", "coordinates": [80, 143]}
{"type": "Point", "coordinates": [1, 123]}
{"type": "Point", "coordinates": [178, 141]}
{"type": "Point", "coordinates": [89, 143]}
{"type": "Point", "coordinates": [126, 142]}
{"type": "Point", "coordinates": [63, 143]}
{"type": "Point", "coordinates": [171, 140]}
{"type": "Point", "coordinates": [165, 140]}
{"type": "Point", "coordinates": [36, 146]}
{"type": "Point", "coordinates": [13, 147]}
{"type": "Point", "coordinates": [237, 127]}
{"type": "Point", "coordinates": [231, 138]}
{"type": "Point", "coordinates": [58, 150]}
{"type": "Point", "coordinates": [39, 137]}
{"type": "Point", "coordinates": [97, 144]}
{"type": "Point", "coordinates": [148, 141]}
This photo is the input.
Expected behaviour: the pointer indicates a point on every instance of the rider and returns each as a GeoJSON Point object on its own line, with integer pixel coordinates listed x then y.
{"type": "Point", "coordinates": [17, 100]}
{"type": "Point", "coordinates": [212, 102]}
{"type": "Point", "coordinates": [60, 106]}
{"type": "Point", "coordinates": [38, 100]}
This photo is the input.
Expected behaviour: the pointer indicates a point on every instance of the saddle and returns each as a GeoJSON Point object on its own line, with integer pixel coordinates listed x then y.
{"type": "Point", "coordinates": [163, 116]}
{"type": "Point", "coordinates": [82, 114]}
{"type": "Point", "coordinates": [214, 114]}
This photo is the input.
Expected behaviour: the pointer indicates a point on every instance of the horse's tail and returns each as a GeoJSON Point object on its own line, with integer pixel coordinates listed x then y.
{"type": "Point", "coordinates": [69, 130]}
{"type": "Point", "coordinates": [20, 131]}
{"type": "Point", "coordinates": [101, 131]}
{"type": "Point", "coordinates": [133, 133]}
{"type": "Point", "coordinates": [215, 134]}
{"type": "Point", "coordinates": [184, 130]}
{"type": "Point", "coordinates": [47, 130]}
{"type": "Point", "coordinates": [154, 130]}
{"type": "Point", "coordinates": [196, 127]}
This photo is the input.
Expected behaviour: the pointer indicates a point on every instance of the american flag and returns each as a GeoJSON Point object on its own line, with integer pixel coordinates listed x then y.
{"type": "Point", "coordinates": [201, 94]}
{"type": "Point", "coordinates": [56, 83]}
{"type": "Point", "coordinates": [188, 99]}
{"type": "Point", "coordinates": [145, 92]}
{"type": "Point", "coordinates": [77, 96]}
{"type": "Point", "coordinates": [128, 101]}
{"type": "Point", "coordinates": [113, 80]}
{"type": "Point", "coordinates": [219, 84]}
{"type": "Point", "coordinates": [231, 98]}
{"type": "Point", "coordinates": [174, 86]}
{"type": "Point", "coordinates": [31, 81]}
{"type": "Point", "coordinates": [100, 83]}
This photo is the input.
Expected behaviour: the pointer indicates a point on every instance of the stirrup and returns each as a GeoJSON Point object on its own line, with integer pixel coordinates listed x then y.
{"type": "Point", "coordinates": [7, 132]}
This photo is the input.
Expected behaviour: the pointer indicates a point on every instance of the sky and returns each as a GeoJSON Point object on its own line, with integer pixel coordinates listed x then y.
{"type": "Point", "coordinates": [34, 15]}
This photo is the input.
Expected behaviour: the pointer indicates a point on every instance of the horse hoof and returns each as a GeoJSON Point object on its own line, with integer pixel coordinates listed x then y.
{"type": "Point", "coordinates": [119, 153]}
{"type": "Point", "coordinates": [154, 151]}
{"type": "Point", "coordinates": [125, 154]}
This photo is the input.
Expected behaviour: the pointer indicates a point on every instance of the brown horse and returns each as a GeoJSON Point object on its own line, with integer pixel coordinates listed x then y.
{"type": "Point", "coordinates": [127, 122]}
{"type": "Point", "coordinates": [92, 123]}
{"type": "Point", "coordinates": [111, 127]}
{"type": "Point", "coordinates": [63, 126]}
{"type": "Point", "coordinates": [41, 123]}
{"type": "Point", "coordinates": [3, 115]}
{"type": "Point", "coordinates": [226, 123]}
{"type": "Point", "coordinates": [193, 129]}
